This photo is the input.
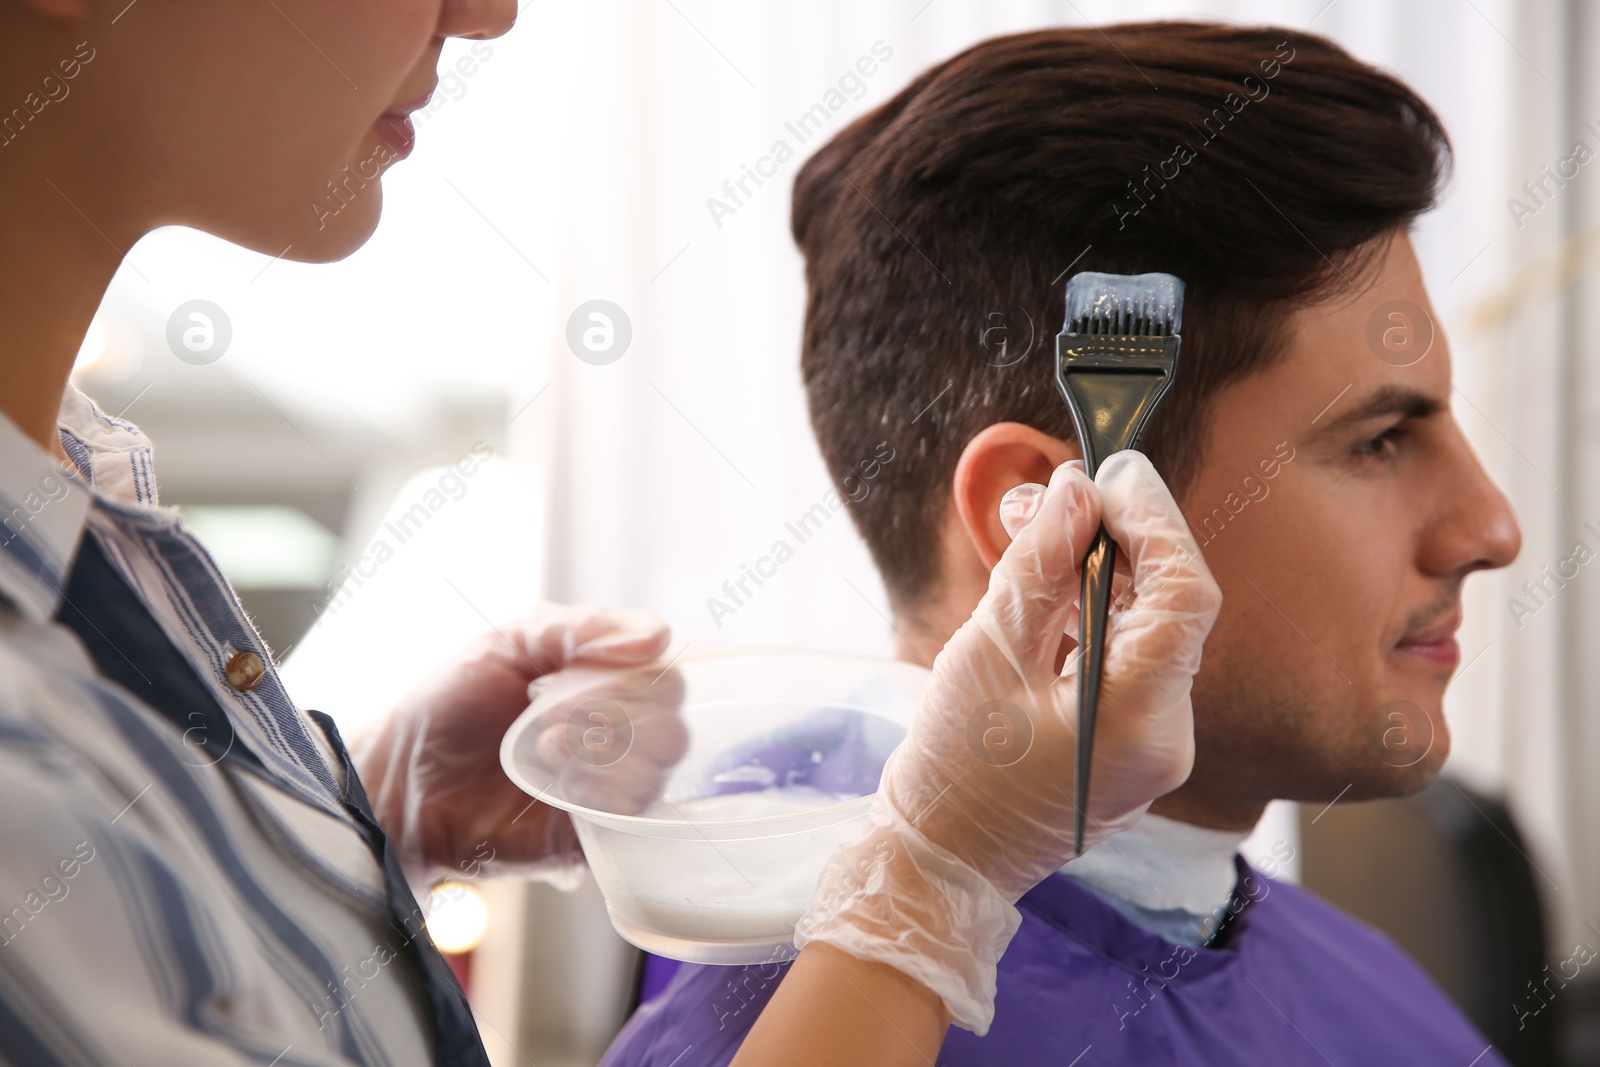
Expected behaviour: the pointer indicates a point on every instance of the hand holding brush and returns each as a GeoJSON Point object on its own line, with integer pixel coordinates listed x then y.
{"type": "Point", "coordinates": [976, 805]}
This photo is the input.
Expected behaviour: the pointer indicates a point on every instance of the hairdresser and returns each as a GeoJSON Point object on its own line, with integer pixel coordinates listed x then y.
{"type": "Point", "coordinates": [197, 870]}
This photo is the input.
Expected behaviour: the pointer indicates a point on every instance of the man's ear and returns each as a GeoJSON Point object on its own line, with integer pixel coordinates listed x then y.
{"type": "Point", "coordinates": [997, 460]}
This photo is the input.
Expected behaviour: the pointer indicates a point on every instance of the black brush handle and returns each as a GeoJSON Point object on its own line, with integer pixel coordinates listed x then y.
{"type": "Point", "coordinates": [1099, 567]}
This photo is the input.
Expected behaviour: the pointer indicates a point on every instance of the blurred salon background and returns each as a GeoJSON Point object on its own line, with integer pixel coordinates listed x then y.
{"type": "Point", "coordinates": [439, 456]}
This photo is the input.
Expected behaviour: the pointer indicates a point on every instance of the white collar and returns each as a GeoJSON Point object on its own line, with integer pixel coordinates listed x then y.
{"type": "Point", "coordinates": [1161, 864]}
{"type": "Point", "coordinates": [44, 503]}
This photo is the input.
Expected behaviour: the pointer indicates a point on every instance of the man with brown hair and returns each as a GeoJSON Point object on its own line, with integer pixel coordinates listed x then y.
{"type": "Point", "coordinates": [1307, 438]}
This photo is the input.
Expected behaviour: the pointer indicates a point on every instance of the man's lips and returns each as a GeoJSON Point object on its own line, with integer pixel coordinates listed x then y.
{"type": "Point", "coordinates": [1437, 644]}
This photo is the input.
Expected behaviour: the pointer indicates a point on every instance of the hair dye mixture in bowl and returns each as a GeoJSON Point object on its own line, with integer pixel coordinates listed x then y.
{"type": "Point", "coordinates": [708, 799]}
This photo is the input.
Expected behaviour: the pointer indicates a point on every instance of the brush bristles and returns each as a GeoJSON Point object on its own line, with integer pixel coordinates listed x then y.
{"type": "Point", "coordinates": [1124, 305]}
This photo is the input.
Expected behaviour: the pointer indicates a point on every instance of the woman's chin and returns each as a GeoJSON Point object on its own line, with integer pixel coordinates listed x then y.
{"type": "Point", "coordinates": [329, 234]}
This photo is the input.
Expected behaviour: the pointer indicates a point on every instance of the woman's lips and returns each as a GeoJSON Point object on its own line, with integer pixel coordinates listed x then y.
{"type": "Point", "coordinates": [396, 131]}
{"type": "Point", "coordinates": [394, 127]}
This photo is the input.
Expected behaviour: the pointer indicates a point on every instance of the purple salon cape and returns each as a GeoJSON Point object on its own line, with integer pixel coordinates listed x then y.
{"type": "Point", "coordinates": [1290, 982]}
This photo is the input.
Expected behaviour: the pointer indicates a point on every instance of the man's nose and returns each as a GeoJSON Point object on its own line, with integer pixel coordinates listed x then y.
{"type": "Point", "coordinates": [1477, 528]}
{"type": "Point", "coordinates": [479, 20]}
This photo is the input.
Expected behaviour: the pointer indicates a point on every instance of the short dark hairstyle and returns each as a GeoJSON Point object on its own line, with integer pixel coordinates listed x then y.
{"type": "Point", "coordinates": [1259, 164]}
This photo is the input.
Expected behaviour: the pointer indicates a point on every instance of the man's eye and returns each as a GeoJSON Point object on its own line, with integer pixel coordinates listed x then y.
{"type": "Point", "coordinates": [1381, 446]}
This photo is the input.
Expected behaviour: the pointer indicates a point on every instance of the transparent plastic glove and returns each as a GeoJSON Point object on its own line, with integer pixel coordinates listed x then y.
{"type": "Point", "coordinates": [975, 807]}
{"type": "Point", "coordinates": [431, 767]}
{"type": "Point", "coordinates": [612, 737]}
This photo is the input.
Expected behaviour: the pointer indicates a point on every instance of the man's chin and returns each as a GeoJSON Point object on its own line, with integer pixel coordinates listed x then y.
{"type": "Point", "coordinates": [1401, 750]}
{"type": "Point", "coordinates": [1390, 776]}
{"type": "Point", "coordinates": [1410, 780]}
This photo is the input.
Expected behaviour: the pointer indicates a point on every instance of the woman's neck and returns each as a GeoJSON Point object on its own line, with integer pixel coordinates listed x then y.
{"type": "Point", "coordinates": [56, 261]}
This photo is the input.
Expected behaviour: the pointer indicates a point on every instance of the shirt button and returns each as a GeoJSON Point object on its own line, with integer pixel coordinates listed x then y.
{"type": "Point", "coordinates": [245, 671]}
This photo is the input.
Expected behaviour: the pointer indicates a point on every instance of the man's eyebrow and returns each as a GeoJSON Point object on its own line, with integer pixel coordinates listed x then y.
{"type": "Point", "coordinates": [1385, 400]}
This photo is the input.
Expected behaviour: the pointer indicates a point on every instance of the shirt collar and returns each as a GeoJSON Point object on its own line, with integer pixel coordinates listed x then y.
{"type": "Point", "coordinates": [44, 503]}
{"type": "Point", "coordinates": [110, 452]}
{"type": "Point", "coordinates": [1162, 864]}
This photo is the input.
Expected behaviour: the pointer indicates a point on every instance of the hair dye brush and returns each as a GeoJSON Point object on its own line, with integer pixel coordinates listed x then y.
{"type": "Point", "coordinates": [1115, 359]}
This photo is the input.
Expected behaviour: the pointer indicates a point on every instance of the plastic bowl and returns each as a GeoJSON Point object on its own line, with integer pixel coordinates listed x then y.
{"type": "Point", "coordinates": [709, 796]}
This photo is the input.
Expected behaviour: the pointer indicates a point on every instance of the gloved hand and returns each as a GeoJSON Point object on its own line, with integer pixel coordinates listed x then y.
{"type": "Point", "coordinates": [975, 807]}
{"type": "Point", "coordinates": [611, 737]}
{"type": "Point", "coordinates": [431, 767]}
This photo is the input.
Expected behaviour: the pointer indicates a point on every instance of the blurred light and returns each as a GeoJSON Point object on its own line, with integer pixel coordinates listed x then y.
{"type": "Point", "coordinates": [412, 595]}
{"type": "Point", "coordinates": [111, 351]}
{"type": "Point", "coordinates": [269, 547]}
{"type": "Point", "coordinates": [457, 917]}
{"type": "Point", "coordinates": [95, 345]}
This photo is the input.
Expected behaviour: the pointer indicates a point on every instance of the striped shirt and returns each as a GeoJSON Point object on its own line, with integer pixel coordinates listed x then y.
{"type": "Point", "coordinates": [160, 904]}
